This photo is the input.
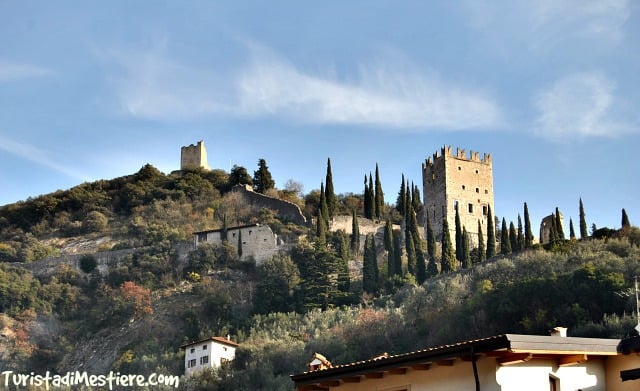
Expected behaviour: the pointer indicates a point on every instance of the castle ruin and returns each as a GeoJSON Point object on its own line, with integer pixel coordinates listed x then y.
{"type": "Point", "coordinates": [453, 181]}
{"type": "Point", "coordinates": [194, 157]}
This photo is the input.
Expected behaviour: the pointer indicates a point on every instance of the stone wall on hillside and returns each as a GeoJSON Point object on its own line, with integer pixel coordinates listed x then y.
{"type": "Point", "coordinates": [106, 260]}
{"type": "Point", "coordinates": [285, 209]}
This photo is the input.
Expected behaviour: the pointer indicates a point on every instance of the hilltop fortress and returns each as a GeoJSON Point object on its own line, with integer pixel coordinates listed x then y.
{"type": "Point", "coordinates": [459, 181]}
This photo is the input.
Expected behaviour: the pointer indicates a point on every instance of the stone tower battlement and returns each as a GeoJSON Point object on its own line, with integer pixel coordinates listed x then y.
{"type": "Point", "coordinates": [193, 157]}
{"type": "Point", "coordinates": [459, 180]}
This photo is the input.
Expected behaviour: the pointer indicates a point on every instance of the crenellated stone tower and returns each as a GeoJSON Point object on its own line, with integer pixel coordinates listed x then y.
{"type": "Point", "coordinates": [450, 179]}
{"type": "Point", "coordinates": [194, 156]}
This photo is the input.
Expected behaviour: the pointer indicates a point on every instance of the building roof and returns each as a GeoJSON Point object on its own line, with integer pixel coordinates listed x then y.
{"type": "Point", "coordinates": [221, 340]}
{"type": "Point", "coordinates": [506, 348]}
{"type": "Point", "coordinates": [228, 229]}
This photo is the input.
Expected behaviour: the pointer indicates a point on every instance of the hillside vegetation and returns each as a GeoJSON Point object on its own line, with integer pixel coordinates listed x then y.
{"type": "Point", "coordinates": [133, 318]}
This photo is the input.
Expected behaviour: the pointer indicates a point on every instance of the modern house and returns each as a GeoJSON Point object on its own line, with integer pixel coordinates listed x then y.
{"type": "Point", "coordinates": [208, 353]}
{"type": "Point", "coordinates": [500, 363]}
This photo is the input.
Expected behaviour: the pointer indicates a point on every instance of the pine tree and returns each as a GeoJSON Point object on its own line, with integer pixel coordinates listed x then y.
{"type": "Point", "coordinates": [421, 267]}
{"type": "Point", "coordinates": [625, 219]}
{"type": "Point", "coordinates": [505, 244]}
{"type": "Point", "coordinates": [559, 228]}
{"type": "Point", "coordinates": [466, 253]}
{"type": "Point", "coordinates": [448, 259]}
{"type": "Point", "coordinates": [513, 237]}
{"type": "Point", "coordinates": [491, 236]}
{"type": "Point", "coordinates": [397, 253]}
{"type": "Point", "coordinates": [411, 255]}
{"type": "Point", "coordinates": [355, 233]}
{"type": "Point", "coordinates": [262, 180]}
{"type": "Point", "coordinates": [528, 234]}
{"type": "Point", "coordinates": [431, 240]}
{"type": "Point", "coordinates": [401, 198]}
{"type": "Point", "coordinates": [572, 232]}
{"type": "Point", "coordinates": [481, 254]}
{"type": "Point", "coordinates": [329, 193]}
{"type": "Point", "coordinates": [583, 222]}
{"type": "Point", "coordinates": [520, 234]}
{"type": "Point", "coordinates": [459, 248]}
{"type": "Point", "coordinates": [378, 196]}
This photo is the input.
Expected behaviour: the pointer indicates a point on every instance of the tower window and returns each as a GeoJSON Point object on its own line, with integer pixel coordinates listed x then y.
{"type": "Point", "coordinates": [485, 210]}
{"type": "Point", "coordinates": [459, 168]}
{"type": "Point", "coordinates": [477, 190]}
{"type": "Point", "coordinates": [470, 208]}
{"type": "Point", "coordinates": [486, 191]}
{"type": "Point", "coordinates": [463, 187]}
{"type": "Point", "coordinates": [476, 171]}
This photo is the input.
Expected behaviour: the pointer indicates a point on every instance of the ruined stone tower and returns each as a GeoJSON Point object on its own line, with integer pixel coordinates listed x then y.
{"type": "Point", "coordinates": [194, 156]}
{"type": "Point", "coordinates": [454, 179]}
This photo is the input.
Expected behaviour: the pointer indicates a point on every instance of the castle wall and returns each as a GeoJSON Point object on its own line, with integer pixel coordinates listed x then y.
{"type": "Point", "coordinates": [451, 179]}
{"type": "Point", "coordinates": [193, 157]}
{"type": "Point", "coordinates": [545, 227]}
{"type": "Point", "coordinates": [258, 241]}
{"type": "Point", "coordinates": [285, 209]}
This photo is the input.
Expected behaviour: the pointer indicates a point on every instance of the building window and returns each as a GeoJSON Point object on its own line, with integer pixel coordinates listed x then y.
{"type": "Point", "coordinates": [191, 363]}
{"type": "Point", "coordinates": [470, 208]}
{"type": "Point", "coordinates": [553, 384]}
{"type": "Point", "coordinates": [224, 348]}
{"type": "Point", "coordinates": [463, 187]}
{"type": "Point", "coordinates": [485, 210]}
{"type": "Point", "coordinates": [459, 168]}
{"type": "Point", "coordinates": [476, 171]}
{"type": "Point", "coordinates": [486, 192]}
{"type": "Point", "coordinates": [202, 237]}
{"type": "Point", "coordinates": [249, 232]}
{"type": "Point", "coordinates": [477, 190]}
{"type": "Point", "coordinates": [204, 360]}
{"type": "Point", "coordinates": [204, 347]}
{"type": "Point", "coordinates": [233, 235]}
{"type": "Point", "coordinates": [193, 350]}
{"type": "Point", "coordinates": [455, 205]}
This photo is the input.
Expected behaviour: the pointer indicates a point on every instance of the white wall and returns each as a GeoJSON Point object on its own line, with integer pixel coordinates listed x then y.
{"type": "Point", "coordinates": [216, 353]}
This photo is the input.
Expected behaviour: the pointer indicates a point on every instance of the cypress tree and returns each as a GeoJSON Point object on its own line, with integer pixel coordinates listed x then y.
{"type": "Point", "coordinates": [411, 255]}
{"type": "Point", "coordinates": [448, 260]}
{"type": "Point", "coordinates": [400, 207]}
{"type": "Point", "coordinates": [240, 244]}
{"type": "Point", "coordinates": [329, 193]}
{"type": "Point", "coordinates": [368, 273]}
{"type": "Point", "coordinates": [407, 198]}
{"type": "Point", "coordinates": [459, 248]}
{"type": "Point", "coordinates": [367, 206]}
{"type": "Point", "coordinates": [355, 233]}
{"type": "Point", "coordinates": [505, 244]}
{"type": "Point", "coordinates": [344, 279]}
{"type": "Point", "coordinates": [223, 233]}
{"type": "Point", "coordinates": [559, 228]}
{"type": "Point", "coordinates": [421, 267]}
{"type": "Point", "coordinates": [262, 180]}
{"type": "Point", "coordinates": [520, 234]}
{"type": "Point", "coordinates": [415, 198]}
{"type": "Point", "coordinates": [432, 267]}
{"type": "Point", "coordinates": [321, 230]}
{"type": "Point", "coordinates": [528, 233]}
{"type": "Point", "coordinates": [388, 236]}
{"type": "Point", "coordinates": [391, 266]}
{"type": "Point", "coordinates": [466, 253]}
{"type": "Point", "coordinates": [323, 208]}
{"type": "Point", "coordinates": [553, 230]}
{"type": "Point", "coordinates": [513, 237]}
{"type": "Point", "coordinates": [572, 232]}
{"type": "Point", "coordinates": [374, 257]}
{"type": "Point", "coordinates": [481, 255]}
{"type": "Point", "coordinates": [379, 195]}
{"type": "Point", "coordinates": [397, 253]}
{"type": "Point", "coordinates": [431, 239]}
{"type": "Point", "coordinates": [491, 236]}
{"type": "Point", "coordinates": [625, 219]}
{"type": "Point", "coordinates": [583, 222]}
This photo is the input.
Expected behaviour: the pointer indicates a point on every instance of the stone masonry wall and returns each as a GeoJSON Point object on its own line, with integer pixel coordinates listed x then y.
{"type": "Point", "coordinates": [285, 209]}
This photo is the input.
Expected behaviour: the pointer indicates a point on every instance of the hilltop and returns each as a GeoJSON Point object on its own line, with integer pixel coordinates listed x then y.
{"type": "Point", "coordinates": [123, 286]}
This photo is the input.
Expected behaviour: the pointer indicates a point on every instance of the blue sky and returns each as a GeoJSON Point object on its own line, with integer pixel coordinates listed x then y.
{"type": "Point", "coordinates": [94, 90]}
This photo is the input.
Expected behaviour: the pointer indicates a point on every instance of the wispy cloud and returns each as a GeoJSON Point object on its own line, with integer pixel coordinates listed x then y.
{"type": "Point", "coordinates": [12, 71]}
{"type": "Point", "coordinates": [268, 85]}
{"type": "Point", "coordinates": [578, 106]}
{"type": "Point", "coordinates": [36, 155]}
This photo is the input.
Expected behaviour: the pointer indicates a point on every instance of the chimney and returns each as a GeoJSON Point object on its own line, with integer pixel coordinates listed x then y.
{"type": "Point", "coordinates": [558, 332]}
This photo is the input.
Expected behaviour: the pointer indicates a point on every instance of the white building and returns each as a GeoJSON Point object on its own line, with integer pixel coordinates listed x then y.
{"type": "Point", "coordinates": [508, 362]}
{"type": "Point", "coordinates": [208, 353]}
{"type": "Point", "coordinates": [254, 240]}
